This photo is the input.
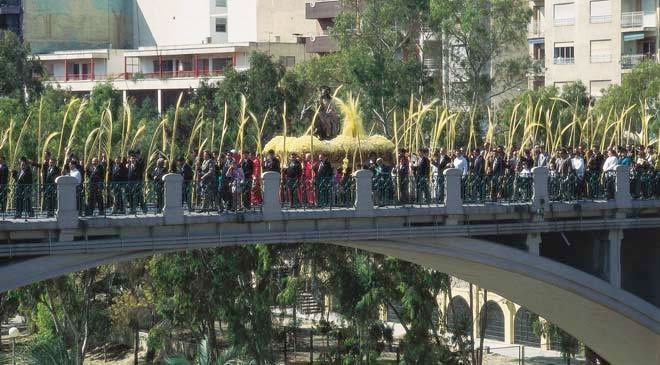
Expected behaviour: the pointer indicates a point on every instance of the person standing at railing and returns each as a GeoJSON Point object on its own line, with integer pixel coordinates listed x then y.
{"type": "Point", "coordinates": [134, 184]}
{"type": "Point", "coordinates": [384, 186]}
{"type": "Point", "coordinates": [156, 176]}
{"type": "Point", "coordinates": [308, 181]}
{"type": "Point", "coordinates": [207, 182]}
{"type": "Point", "coordinates": [184, 169]}
{"type": "Point", "coordinates": [541, 158]}
{"type": "Point", "coordinates": [255, 194]}
{"type": "Point", "coordinates": [578, 165]}
{"type": "Point", "coordinates": [609, 171]}
{"type": "Point", "coordinates": [50, 188]}
{"type": "Point", "coordinates": [248, 169]}
{"type": "Point", "coordinates": [272, 163]}
{"type": "Point", "coordinates": [422, 171]}
{"type": "Point", "coordinates": [293, 177]}
{"type": "Point", "coordinates": [499, 168]}
{"type": "Point", "coordinates": [23, 198]}
{"type": "Point", "coordinates": [96, 173]}
{"type": "Point", "coordinates": [4, 185]}
{"type": "Point", "coordinates": [324, 181]}
{"type": "Point", "coordinates": [403, 176]}
{"type": "Point", "coordinates": [118, 178]}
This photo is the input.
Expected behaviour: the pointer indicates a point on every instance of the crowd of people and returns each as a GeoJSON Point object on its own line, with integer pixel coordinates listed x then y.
{"type": "Point", "coordinates": [231, 180]}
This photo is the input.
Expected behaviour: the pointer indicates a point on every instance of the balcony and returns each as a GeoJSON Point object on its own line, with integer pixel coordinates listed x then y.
{"type": "Point", "coordinates": [535, 29]}
{"type": "Point", "coordinates": [10, 7]}
{"type": "Point", "coordinates": [563, 60]}
{"type": "Point", "coordinates": [321, 44]}
{"type": "Point", "coordinates": [564, 22]}
{"type": "Point", "coordinates": [638, 19]}
{"type": "Point", "coordinates": [321, 9]}
{"type": "Point", "coordinates": [629, 61]}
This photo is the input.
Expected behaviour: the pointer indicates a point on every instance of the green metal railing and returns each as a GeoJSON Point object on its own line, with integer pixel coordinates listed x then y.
{"type": "Point", "coordinates": [645, 184]}
{"type": "Point", "coordinates": [27, 201]}
{"type": "Point", "coordinates": [508, 188]}
{"type": "Point", "coordinates": [120, 198]}
{"type": "Point", "coordinates": [318, 193]}
{"type": "Point", "coordinates": [222, 196]}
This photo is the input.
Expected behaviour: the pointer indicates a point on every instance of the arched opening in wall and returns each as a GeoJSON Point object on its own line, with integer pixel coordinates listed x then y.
{"type": "Point", "coordinates": [493, 317]}
{"type": "Point", "coordinates": [523, 328]}
{"type": "Point", "coordinates": [458, 316]}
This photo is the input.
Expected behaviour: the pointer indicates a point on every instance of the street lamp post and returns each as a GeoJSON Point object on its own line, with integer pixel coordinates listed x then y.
{"type": "Point", "coordinates": [13, 333]}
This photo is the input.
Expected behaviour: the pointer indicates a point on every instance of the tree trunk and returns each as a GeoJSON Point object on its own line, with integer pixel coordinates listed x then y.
{"type": "Point", "coordinates": [212, 338]}
{"type": "Point", "coordinates": [474, 360]}
{"type": "Point", "coordinates": [483, 329]}
{"type": "Point", "coordinates": [136, 343]}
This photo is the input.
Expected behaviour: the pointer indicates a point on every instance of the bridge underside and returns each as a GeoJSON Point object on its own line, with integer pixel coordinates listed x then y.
{"type": "Point", "coordinates": [621, 327]}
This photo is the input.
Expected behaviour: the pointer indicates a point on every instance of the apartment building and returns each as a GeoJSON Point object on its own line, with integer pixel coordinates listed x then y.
{"type": "Point", "coordinates": [595, 41]}
{"type": "Point", "coordinates": [172, 45]}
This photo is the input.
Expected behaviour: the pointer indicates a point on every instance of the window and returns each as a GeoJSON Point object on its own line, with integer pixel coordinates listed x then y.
{"type": "Point", "coordinates": [601, 51]}
{"type": "Point", "coordinates": [219, 64]}
{"type": "Point", "coordinates": [564, 14]}
{"type": "Point", "coordinates": [564, 53]}
{"type": "Point", "coordinates": [601, 11]}
{"type": "Point", "coordinates": [288, 61]}
{"type": "Point", "coordinates": [596, 87]}
{"type": "Point", "coordinates": [648, 47]}
{"type": "Point", "coordinates": [220, 3]}
{"type": "Point", "coordinates": [221, 25]}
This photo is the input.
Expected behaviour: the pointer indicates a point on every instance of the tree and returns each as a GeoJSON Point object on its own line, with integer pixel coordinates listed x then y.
{"type": "Point", "coordinates": [379, 58]}
{"type": "Point", "coordinates": [569, 346]}
{"type": "Point", "coordinates": [20, 73]}
{"type": "Point", "coordinates": [485, 43]}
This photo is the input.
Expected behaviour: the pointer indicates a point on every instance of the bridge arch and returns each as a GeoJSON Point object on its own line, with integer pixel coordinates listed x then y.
{"type": "Point", "coordinates": [492, 321]}
{"type": "Point", "coordinates": [459, 315]}
{"type": "Point", "coordinates": [586, 307]}
{"type": "Point", "coordinates": [523, 328]}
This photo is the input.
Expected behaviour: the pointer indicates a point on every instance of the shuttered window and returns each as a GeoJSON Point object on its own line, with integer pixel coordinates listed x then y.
{"type": "Point", "coordinates": [601, 11]}
{"type": "Point", "coordinates": [596, 87]}
{"type": "Point", "coordinates": [601, 51]}
{"type": "Point", "coordinates": [564, 14]}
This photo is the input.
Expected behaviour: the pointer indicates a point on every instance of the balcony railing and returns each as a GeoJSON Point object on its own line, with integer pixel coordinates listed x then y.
{"type": "Point", "coordinates": [598, 19]}
{"type": "Point", "coordinates": [563, 60]}
{"type": "Point", "coordinates": [629, 61]}
{"type": "Point", "coordinates": [135, 76]}
{"type": "Point", "coordinates": [601, 58]}
{"type": "Point", "coordinates": [535, 29]}
{"type": "Point", "coordinates": [564, 22]}
{"type": "Point", "coordinates": [638, 19]}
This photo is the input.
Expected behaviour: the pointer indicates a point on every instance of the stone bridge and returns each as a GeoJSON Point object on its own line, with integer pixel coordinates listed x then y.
{"type": "Point", "coordinates": [591, 267]}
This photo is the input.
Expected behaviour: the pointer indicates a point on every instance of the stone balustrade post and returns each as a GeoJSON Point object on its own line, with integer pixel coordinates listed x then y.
{"type": "Point", "coordinates": [453, 196]}
{"type": "Point", "coordinates": [67, 208]}
{"type": "Point", "coordinates": [540, 195]}
{"type": "Point", "coordinates": [622, 195]}
{"type": "Point", "coordinates": [271, 207]}
{"type": "Point", "coordinates": [364, 199]}
{"type": "Point", "coordinates": [172, 196]}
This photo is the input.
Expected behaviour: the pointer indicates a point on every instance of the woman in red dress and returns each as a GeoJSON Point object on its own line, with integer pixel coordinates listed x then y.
{"type": "Point", "coordinates": [308, 180]}
{"type": "Point", "coordinates": [255, 195]}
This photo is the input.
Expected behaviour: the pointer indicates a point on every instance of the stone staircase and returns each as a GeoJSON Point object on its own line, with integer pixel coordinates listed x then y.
{"type": "Point", "coordinates": [307, 304]}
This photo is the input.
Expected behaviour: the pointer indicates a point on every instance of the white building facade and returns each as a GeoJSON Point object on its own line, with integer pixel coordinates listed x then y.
{"type": "Point", "coordinates": [179, 44]}
{"type": "Point", "coordinates": [596, 41]}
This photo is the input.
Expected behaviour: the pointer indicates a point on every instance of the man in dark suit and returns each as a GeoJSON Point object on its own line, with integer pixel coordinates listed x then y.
{"type": "Point", "coordinates": [96, 173]}
{"type": "Point", "coordinates": [23, 198]}
{"type": "Point", "coordinates": [4, 184]}
{"type": "Point", "coordinates": [50, 187]}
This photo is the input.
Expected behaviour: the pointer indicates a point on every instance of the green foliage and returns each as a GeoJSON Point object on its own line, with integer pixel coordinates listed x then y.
{"type": "Point", "coordinates": [569, 346]}
{"type": "Point", "coordinates": [483, 34]}
{"type": "Point", "coordinates": [18, 69]}
{"type": "Point", "coordinates": [47, 350]}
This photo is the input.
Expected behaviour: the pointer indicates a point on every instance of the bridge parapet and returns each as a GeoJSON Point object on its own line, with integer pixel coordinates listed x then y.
{"type": "Point", "coordinates": [451, 211]}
